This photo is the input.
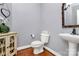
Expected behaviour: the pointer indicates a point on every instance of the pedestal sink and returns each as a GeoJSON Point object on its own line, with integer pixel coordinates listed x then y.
{"type": "Point", "coordinates": [73, 41]}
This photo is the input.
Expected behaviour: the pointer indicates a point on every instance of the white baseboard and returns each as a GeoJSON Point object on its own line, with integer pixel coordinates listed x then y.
{"type": "Point", "coordinates": [52, 51]}
{"type": "Point", "coordinates": [28, 46]}
{"type": "Point", "coordinates": [23, 47]}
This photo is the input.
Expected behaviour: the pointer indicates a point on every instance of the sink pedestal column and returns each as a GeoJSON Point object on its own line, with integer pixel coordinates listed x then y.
{"type": "Point", "coordinates": [72, 49]}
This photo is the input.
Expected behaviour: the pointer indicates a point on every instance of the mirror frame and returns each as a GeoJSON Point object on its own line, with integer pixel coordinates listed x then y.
{"type": "Point", "coordinates": [63, 22]}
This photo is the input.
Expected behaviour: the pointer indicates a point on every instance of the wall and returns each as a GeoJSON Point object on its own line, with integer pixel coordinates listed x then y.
{"type": "Point", "coordinates": [33, 18]}
{"type": "Point", "coordinates": [25, 21]}
{"type": "Point", "coordinates": [51, 20]}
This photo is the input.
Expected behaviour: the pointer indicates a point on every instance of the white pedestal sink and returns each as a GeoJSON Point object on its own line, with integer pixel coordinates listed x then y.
{"type": "Point", "coordinates": [73, 41]}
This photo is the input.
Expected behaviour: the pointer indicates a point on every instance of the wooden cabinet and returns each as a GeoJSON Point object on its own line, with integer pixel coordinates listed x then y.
{"type": "Point", "coordinates": [8, 44]}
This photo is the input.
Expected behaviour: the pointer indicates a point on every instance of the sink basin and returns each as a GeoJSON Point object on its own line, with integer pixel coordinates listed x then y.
{"type": "Point", "coordinates": [70, 37]}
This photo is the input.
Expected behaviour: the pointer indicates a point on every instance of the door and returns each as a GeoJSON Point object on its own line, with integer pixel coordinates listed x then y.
{"type": "Point", "coordinates": [3, 46]}
{"type": "Point", "coordinates": [11, 45]}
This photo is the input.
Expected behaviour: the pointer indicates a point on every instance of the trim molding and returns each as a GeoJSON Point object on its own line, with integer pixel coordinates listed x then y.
{"type": "Point", "coordinates": [50, 50]}
{"type": "Point", "coordinates": [23, 47]}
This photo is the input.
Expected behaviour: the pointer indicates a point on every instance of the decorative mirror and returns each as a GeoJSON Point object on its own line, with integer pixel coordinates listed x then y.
{"type": "Point", "coordinates": [70, 15]}
{"type": "Point", "coordinates": [5, 12]}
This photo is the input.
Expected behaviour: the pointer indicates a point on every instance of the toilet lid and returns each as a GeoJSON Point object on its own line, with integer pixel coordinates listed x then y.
{"type": "Point", "coordinates": [36, 42]}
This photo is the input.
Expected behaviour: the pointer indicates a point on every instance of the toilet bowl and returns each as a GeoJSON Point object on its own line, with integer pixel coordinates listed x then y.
{"type": "Point", "coordinates": [38, 45]}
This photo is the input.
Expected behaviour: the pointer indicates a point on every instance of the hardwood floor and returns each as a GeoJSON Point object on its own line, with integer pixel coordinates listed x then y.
{"type": "Point", "coordinates": [29, 52]}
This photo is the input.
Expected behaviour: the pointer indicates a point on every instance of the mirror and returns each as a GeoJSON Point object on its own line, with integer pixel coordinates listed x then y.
{"type": "Point", "coordinates": [5, 12]}
{"type": "Point", "coordinates": [70, 15]}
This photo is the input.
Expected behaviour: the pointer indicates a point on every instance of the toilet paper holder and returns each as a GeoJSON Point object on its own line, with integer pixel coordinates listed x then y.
{"type": "Point", "coordinates": [32, 36]}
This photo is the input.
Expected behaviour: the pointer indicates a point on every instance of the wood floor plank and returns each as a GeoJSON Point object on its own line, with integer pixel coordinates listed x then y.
{"type": "Point", "coordinates": [29, 52]}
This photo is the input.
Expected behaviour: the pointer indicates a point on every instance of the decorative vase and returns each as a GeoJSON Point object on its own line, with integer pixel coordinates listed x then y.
{"type": "Point", "coordinates": [4, 28]}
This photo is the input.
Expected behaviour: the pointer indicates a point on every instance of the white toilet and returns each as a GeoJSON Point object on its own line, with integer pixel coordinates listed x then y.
{"type": "Point", "coordinates": [38, 45]}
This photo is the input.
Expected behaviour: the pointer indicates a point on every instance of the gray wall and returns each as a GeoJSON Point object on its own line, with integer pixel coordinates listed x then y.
{"type": "Point", "coordinates": [25, 21]}
{"type": "Point", "coordinates": [51, 20]}
{"type": "Point", "coordinates": [33, 18]}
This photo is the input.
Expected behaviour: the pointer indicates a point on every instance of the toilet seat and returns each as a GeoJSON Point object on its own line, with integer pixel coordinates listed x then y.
{"type": "Point", "coordinates": [36, 43]}
{"type": "Point", "coordinates": [38, 47]}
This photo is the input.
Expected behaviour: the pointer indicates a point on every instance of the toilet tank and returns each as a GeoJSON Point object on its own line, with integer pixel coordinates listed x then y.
{"type": "Point", "coordinates": [45, 36]}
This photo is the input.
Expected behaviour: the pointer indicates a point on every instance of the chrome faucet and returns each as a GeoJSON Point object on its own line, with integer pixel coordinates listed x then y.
{"type": "Point", "coordinates": [74, 31]}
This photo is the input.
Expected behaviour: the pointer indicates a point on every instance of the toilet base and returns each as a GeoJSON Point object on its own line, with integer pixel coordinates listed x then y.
{"type": "Point", "coordinates": [38, 50]}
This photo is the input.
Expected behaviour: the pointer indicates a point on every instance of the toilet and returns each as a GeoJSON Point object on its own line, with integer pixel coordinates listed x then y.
{"type": "Point", "coordinates": [38, 45]}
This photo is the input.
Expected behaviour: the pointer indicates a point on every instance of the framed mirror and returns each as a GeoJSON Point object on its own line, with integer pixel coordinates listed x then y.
{"type": "Point", "coordinates": [70, 15]}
